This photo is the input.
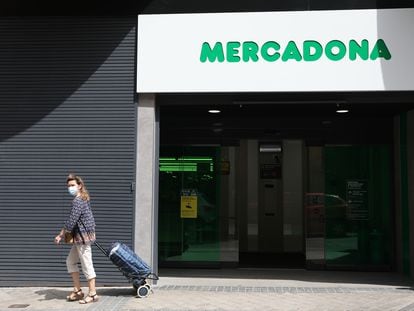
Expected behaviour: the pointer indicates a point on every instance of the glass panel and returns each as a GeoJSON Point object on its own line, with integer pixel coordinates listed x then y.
{"type": "Point", "coordinates": [358, 205]}
{"type": "Point", "coordinates": [189, 204]}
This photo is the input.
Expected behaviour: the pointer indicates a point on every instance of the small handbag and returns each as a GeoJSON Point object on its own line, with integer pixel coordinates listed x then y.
{"type": "Point", "coordinates": [68, 237]}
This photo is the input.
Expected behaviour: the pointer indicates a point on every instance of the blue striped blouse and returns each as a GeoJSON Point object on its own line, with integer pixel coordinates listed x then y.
{"type": "Point", "coordinates": [81, 222]}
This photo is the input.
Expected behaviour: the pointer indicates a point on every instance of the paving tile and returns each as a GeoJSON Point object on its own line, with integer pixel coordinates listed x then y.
{"type": "Point", "coordinates": [230, 294]}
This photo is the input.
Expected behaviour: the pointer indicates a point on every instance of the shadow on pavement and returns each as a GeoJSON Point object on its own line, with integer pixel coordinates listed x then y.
{"type": "Point", "coordinates": [117, 292]}
{"type": "Point", "coordinates": [51, 294]}
{"type": "Point", "coordinates": [60, 294]}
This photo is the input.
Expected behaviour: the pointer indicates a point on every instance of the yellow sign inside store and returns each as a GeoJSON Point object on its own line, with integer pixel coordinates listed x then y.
{"type": "Point", "coordinates": [189, 206]}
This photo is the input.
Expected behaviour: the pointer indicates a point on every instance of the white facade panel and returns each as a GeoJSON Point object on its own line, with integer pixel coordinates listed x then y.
{"type": "Point", "coordinates": [352, 50]}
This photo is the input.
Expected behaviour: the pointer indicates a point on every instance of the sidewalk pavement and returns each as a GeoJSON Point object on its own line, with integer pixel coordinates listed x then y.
{"type": "Point", "coordinates": [235, 289]}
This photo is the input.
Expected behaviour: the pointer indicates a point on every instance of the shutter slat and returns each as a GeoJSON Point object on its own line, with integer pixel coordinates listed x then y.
{"type": "Point", "coordinates": [66, 105]}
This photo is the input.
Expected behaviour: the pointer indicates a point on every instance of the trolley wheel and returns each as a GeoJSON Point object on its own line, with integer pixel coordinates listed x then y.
{"type": "Point", "coordinates": [143, 291]}
{"type": "Point", "coordinates": [137, 283]}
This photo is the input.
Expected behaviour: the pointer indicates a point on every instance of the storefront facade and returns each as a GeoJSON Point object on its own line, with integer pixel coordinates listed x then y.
{"type": "Point", "coordinates": [123, 103]}
{"type": "Point", "coordinates": [256, 182]}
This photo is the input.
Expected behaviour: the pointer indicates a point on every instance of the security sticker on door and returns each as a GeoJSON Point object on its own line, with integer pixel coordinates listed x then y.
{"type": "Point", "coordinates": [188, 204]}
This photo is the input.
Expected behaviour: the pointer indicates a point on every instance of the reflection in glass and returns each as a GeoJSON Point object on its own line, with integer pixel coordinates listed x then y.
{"type": "Point", "coordinates": [358, 206]}
{"type": "Point", "coordinates": [191, 217]}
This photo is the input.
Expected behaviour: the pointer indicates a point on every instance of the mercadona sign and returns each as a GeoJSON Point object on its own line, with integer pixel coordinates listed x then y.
{"type": "Point", "coordinates": [360, 50]}
{"type": "Point", "coordinates": [310, 51]}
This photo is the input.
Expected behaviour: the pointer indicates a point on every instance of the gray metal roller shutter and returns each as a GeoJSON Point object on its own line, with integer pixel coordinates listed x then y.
{"type": "Point", "coordinates": [66, 105]}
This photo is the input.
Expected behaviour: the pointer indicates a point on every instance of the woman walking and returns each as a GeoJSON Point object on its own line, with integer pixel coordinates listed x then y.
{"type": "Point", "coordinates": [81, 225]}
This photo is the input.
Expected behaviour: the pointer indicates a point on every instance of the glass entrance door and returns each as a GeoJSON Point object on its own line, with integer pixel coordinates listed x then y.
{"type": "Point", "coordinates": [358, 206]}
{"type": "Point", "coordinates": [189, 205]}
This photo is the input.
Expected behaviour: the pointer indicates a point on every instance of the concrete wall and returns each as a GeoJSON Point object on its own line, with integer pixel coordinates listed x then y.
{"type": "Point", "coordinates": [146, 201]}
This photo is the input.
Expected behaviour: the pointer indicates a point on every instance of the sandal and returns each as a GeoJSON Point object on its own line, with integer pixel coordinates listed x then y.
{"type": "Point", "coordinates": [89, 298]}
{"type": "Point", "coordinates": [75, 295]}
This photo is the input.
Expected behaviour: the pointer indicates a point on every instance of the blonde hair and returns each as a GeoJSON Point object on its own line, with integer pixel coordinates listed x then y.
{"type": "Point", "coordinates": [84, 194]}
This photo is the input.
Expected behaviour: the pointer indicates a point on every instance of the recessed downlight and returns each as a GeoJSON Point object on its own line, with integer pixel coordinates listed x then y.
{"type": "Point", "coordinates": [342, 111]}
{"type": "Point", "coordinates": [214, 111]}
{"type": "Point", "coordinates": [341, 108]}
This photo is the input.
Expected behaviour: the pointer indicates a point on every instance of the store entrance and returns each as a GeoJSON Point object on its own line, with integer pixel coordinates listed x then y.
{"type": "Point", "coordinates": [232, 205]}
{"type": "Point", "coordinates": [271, 222]}
{"type": "Point", "coordinates": [258, 184]}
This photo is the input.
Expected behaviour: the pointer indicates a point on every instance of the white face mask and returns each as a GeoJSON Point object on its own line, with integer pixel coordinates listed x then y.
{"type": "Point", "coordinates": [73, 190]}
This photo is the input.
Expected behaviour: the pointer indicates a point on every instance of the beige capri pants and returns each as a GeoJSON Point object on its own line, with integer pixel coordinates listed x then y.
{"type": "Point", "coordinates": [81, 253]}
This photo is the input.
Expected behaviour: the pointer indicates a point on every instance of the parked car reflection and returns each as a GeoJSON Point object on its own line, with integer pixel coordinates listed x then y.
{"type": "Point", "coordinates": [326, 215]}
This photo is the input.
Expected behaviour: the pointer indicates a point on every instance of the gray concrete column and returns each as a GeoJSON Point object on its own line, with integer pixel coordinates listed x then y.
{"type": "Point", "coordinates": [146, 192]}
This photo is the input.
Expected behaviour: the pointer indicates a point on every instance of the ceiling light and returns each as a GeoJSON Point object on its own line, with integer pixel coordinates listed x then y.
{"type": "Point", "coordinates": [342, 111]}
{"type": "Point", "coordinates": [214, 111]}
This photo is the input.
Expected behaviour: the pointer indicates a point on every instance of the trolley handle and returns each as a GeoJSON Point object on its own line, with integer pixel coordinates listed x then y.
{"type": "Point", "coordinates": [152, 276]}
{"type": "Point", "coordinates": [102, 249]}
{"type": "Point", "coordinates": [106, 253]}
